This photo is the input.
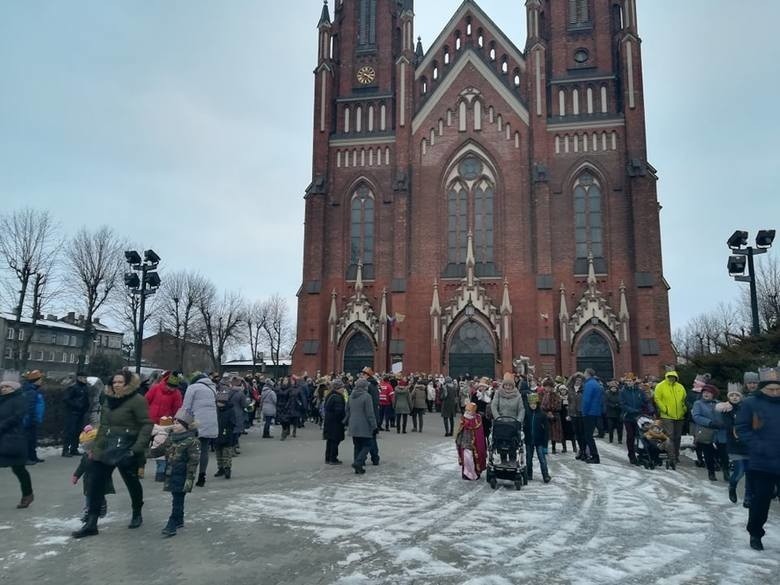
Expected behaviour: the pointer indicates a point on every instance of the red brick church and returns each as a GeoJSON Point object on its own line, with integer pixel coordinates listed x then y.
{"type": "Point", "coordinates": [475, 207]}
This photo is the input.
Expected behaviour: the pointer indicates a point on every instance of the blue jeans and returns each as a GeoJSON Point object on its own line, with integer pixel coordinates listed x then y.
{"type": "Point", "coordinates": [267, 425]}
{"type": "Point", "coordinates": [177, 507]}
{"type": "Point", "coordinates": [738, 470]}
{"type": "Point", "coordinates": [541, 453]}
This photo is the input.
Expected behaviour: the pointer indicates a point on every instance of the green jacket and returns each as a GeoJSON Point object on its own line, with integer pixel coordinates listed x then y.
{"type": "Point", "coordinates": [182, 456]}
{"type": "Point", "coordinates": [670, 398]}
{"type": "Point", "coordinates": [127, 412]}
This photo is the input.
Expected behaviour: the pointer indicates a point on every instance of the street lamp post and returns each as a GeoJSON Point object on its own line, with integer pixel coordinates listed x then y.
{"type": "Point", "coordinates": [144, 286]}
{"type": "Point", "coordinates": [737, 264]}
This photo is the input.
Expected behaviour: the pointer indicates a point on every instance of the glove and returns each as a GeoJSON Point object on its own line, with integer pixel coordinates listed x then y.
{"type": "Point", "coordinates": [376, 432]}
{"type": "Point", "coordinates": [188, 485]}
{"type": "Point", "coordinates": [74, 480]}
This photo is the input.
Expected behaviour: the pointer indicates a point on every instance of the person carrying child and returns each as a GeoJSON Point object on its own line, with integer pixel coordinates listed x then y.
{"type": "Point", "coordinates": [182, 455]}
{"type": "Point", "coordinates": [86, 441]}
{"type": "Point", "coordinates": [223, 444]}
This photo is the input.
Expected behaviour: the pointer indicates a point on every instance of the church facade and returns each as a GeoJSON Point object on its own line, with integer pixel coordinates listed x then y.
{"type": "Point", "coordinates": [478, 208]}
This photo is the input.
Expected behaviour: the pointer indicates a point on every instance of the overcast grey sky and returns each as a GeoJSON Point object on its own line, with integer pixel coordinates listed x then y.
{"type": "Point", "coordinates": [186, 125]}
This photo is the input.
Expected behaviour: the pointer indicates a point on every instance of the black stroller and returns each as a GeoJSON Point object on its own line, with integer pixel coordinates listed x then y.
{"type": "Point", "coordinates": [506, 444]}
{"type": "Point", "coordinates": [651, 445]}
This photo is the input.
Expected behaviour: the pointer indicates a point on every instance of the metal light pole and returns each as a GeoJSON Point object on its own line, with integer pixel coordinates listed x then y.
{"type": "Point", "coordinates": [736, 266]}
{"type": "Point", "coordinates": [145, 286]}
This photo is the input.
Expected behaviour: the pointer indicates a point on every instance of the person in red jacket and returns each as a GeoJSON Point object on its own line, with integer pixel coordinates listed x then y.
{"type": "Point", "coordinates": [386, 393]}
{"type": "Point", "coordinates": [164, 398]}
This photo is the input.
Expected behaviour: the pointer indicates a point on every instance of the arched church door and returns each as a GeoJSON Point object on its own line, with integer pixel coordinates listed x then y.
{"type": "Point", "coordinates": [594, 352]}
{"type": "Point", "coordinates": [358, 353]}
{"type": "Point", "coordinates": [472, 351]}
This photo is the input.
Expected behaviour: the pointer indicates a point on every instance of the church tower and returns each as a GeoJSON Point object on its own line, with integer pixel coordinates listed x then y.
{"type": "Point", "coordinates": [475, 207]}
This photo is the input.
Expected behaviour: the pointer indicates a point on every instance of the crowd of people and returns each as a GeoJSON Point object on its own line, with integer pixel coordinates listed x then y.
{"type": "Point", "coordinates": [179, 421]}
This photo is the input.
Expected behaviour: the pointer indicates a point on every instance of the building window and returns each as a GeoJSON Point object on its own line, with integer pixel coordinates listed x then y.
{"type": "Point", "coordinates": [588, 223]}
{"type": "Point", "coordinates": [10, 334]}
{"type": "Point", "coordinates": [470, 207]}
{"type": "Point", "coordinates": [362, 233]}
{"type": "Point", "coordinates": [367, 26]}
{"type": "Point", "coordinates": [579, 13]}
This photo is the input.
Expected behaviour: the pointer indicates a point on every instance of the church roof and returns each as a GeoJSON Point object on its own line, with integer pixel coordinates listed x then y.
{"type": "Point", "coordinates": [470, 6]}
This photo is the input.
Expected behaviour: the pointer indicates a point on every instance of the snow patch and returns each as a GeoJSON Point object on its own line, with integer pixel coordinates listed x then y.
{"type": "Point", "coordinates": [53, 540]}
{"type": "Point", "coordinates": [47, 554]}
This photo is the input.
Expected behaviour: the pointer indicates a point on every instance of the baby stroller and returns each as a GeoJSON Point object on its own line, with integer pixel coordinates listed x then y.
{"type": "Point", "coordinates": [652, 444]}
{"type": "Point", "coordinates": [506, 444]}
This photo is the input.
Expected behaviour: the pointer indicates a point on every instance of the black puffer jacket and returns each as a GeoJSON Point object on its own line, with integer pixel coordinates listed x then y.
{"type": "Point", "coordinates": [13, 442]}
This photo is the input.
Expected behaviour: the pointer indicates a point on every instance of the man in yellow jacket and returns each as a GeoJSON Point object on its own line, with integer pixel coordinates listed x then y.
{"type": "Point", "coordinates": [669, 399]}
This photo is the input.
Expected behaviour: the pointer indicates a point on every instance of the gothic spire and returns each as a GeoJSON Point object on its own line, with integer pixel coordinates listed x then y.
{"type": "Point", "coordinates": [334, 315]}
{"type": "Point", "coordinates": [470, 262]}
{"type": "Point", "coordinates": [325, 16]}
{"type": "Point", "coordinates": [359, 277]}
{"type": "Point", "coordinates": [435, 305]}
{"type": "Point", "coordinates": [591, 272]}
{"type": "Point", "coordinates": [506, 306]}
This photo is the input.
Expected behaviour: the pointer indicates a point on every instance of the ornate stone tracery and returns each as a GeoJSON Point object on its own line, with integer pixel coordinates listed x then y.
{"type": "Point", "coordinates": [357, 311]}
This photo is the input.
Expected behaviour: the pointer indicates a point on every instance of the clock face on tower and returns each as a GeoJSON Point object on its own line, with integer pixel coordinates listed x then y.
{"type": "Point", "coordinates": [366, 75]}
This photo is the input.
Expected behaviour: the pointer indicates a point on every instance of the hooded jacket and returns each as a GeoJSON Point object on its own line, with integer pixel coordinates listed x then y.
{"type": "Point", "coordinates": [124, 411]}
{"type": "Point", "coordinates": [360, 415]}
{"type": "Point", "coordinates": [13, 440]}
{"type": "Point", "coordinates": [163, 400]}
{"type": "Point", "coordinates": [200, 401]}
{"type": "Point", "coordinates": [758, 427]}
{"type": "Point", "coordinates": [670, 398]}
{"type": "Point", "coordinates": [592, 398]}
{"type": "Point", "coordinates": [508, 402]}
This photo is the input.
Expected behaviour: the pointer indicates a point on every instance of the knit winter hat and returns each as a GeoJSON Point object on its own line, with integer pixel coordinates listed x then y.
{"type": "Point", "coordinates": [337, 384]}
{"type": "Point", "coordinates": [711, 389]}
{"type": "Point", "coordinates": [184, 418]}
{"type": "Point", "coordinates": [750, 377]}
{"type": "Point", "coordinates": [174, 379]}
{"type": "Point", "coordinates": [165, 421]}
{"type": "Point", "coordinates": [361, 384]}
{"type": "Point", "coordinates": [509, 378]}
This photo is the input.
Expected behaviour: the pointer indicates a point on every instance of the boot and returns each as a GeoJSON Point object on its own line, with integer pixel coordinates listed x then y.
{"type": "Point", "coordinates": [546, 478]}
{"type": "Point", "coordinates": [136, 520]}
{"type": "Point", "coordinates": [564, 447]}
{"type": "Point", "coordinates": [159, 476]}
{"type": "Point", "coordinates": [267, 436]}
{"type": "Point", "coordinates": [25, 502]}
{"type": "Point", "coordinates": [295, 432]}
{"type": "Point", "coordinates": [201, 480]}
{"type": "Point", "coordinates": [733, 495]}
{"type": "Point", "coordinates": [398, 429]}
{"type": "Point", "coordinates": [228, 472]}
{"type": "Point", "coordinates": [90, 527]}
{"type": "Point", "coordinates": [103, 509]}
{"type": "Point", "coordinates": [553, 448]}
{"type": "Point", "coordinates": [755, 543]}
{"type": "Point", "coordinates": [220, 472]}
{"type": "Point", "coordinates": [712, 476]}
{"type": "Point", "coordinates": [170, 529]}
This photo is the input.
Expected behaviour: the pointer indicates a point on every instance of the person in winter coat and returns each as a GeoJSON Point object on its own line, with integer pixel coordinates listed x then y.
{"type": "Point", "coordinates": [449, 405]}
{"type": "Point", "coordinates": [36, 407]}
{"type": "Point", "coordinates": [551, 406]}
{"type": "Point", "coordinates": [750, 382]}
{"type": "Point", "coordinates": [632, 405]}
{"type": "Point", "coordinates": [386, 394]}
{"type": "Point", "coordinates": [238, 401]}
{"type": "Point", "coordinates": [669, 398]}
{"type": "Point", "coordinates": [592, 410]}
{"type": "Point", "coordinates": [574, 385]}
{"type": "Point", "coordinates": [268, 401]}
{"type": "Point", "coordinates": [13, 439]}
{"type": "Point", "coordinates": [160, 432]}
{"type": "Point", "coordinates": [123, 435]}
{"type": "Point", "coordinates": [224, 443]}
{"type": "Point", "coordinates": [711, 432]}
{"type": "Point", "coordinates": [737, 451]}
{"type": "Point", "coordinates": [507, 401]}
{"type": "Point", "coordinates": [200, 400]}
{"type": "Point", "coordinates": [536, 428]}
{"type": "Point", "coordinates": [758, 428]}
{"type": "Point", "coordinates": [402, 404]}
{"type": "Point", "coordinates": [164, 397]}
{"type": "Point", "coordinates": [482, 396]}
{"type": "Point", "coordinates": [419, 397]}
{"type": "Point", "coordinates": [335, 409]}
{"type": "Point", "coordinates": [182, 455]}
{"type": "Point", "coordinates": [87, 441]}
{"type": "Point", "coordinates": [567, 428]}
{"type": "Point", "coordinates": [471, 443]}
{"type": "Point", "coordinates": [284, 407]}
{"type": "Point", "coordinates": [76, 402]}
{"type": "Point", "coordinates": [360, 418]}
{"type": "Point", "coordinates": [612, 405]}
{"type": "Point", "coordinates": [430, 397]}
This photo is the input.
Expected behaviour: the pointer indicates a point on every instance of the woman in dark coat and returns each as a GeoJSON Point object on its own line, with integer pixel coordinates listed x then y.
{"type": "Point", "coordinates": [333, 425]}
{"type": "Point", "coordinates": [284, 407]}
{"type": "Point", "coordinates": [13, 440]}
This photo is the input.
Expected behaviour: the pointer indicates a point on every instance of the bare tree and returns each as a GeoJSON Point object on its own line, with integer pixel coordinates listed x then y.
{"type": "Point", "coordinates": [95, 262]}
{"type": "Point", "coordinates": [256, 317]}
{"type": "Point", "coordinates": [29, 246]}
{"type": "Point", "coordinates": [768, 291]}
{"type": "Point", "coordinates": [222, 318]}
{"type": "Point", "coordinates": [278, 328]}
{"type": "Point", "coordinates": [179, 303]}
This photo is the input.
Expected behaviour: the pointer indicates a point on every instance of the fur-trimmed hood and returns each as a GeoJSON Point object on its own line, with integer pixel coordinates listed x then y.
{"type": "Point", "coordinates": [131, 387]}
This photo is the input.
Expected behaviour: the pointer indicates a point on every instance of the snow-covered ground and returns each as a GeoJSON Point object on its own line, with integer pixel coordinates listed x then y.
{"type": "Point", "coordinates": [285, 518]}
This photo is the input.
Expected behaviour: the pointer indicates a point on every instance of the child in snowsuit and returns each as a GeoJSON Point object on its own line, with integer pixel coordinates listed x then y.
{"type": "Point", "coordinates": [160, 433]}
{"type": "Point", "coordinates": [654, 438]}
{"type": "Point", "coordinates": [182, 455]}
{"type": "Point", "coordinates": [226, 421]}
{"type": "Point", "coordinates": [86, 441]}
{"type": "Point", "coordinates": [537, 431]}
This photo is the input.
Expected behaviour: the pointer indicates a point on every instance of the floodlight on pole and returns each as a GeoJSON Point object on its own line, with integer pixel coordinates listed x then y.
{"type": "Point", "coordinates": [742, 255]}
{"type": "Point", "coordinates": [144, 285]}
{"type": "Point", "coordinates": [764, 239]}
{"type": "Point", "coordinates": [737, 240]}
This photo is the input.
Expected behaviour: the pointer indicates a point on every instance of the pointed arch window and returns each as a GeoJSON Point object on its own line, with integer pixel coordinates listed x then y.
{"type": "Point", "coordinates": [362, 233]}
{"type": "Point", "coordinates": [367, 24]}
{"type": "Point", "coordinates": [470, 208]}
{"type": "Point", "coordinates": [588, 224]}
{"type": "Point", "coordinates": [579, 13]}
